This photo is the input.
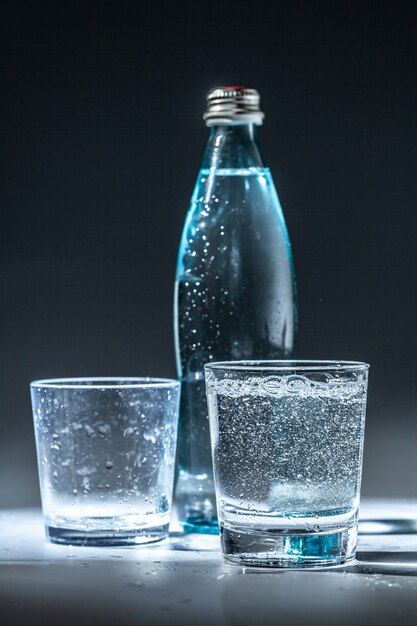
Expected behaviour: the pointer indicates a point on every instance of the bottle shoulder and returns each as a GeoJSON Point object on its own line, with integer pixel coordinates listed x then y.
{"type": "Point", "coordinates": [236, 224]}
{"type": "Point", "coordinates": [234, 196]}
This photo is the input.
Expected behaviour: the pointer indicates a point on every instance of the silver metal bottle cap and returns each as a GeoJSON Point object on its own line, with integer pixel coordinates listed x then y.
{"type": "Point", "coordinates": [233, 105]}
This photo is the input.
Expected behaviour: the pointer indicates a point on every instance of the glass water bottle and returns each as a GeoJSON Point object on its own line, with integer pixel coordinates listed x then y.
{"type": "Point", "coordinates": [235, 285]}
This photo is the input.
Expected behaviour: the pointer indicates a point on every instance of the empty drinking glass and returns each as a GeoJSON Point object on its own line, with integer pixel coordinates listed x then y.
{"type": "Point", "coordinates": [106, 456]}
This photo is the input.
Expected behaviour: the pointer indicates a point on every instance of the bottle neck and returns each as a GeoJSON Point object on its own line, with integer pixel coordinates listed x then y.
{"type": "Point", "coordinates": [233, 146]}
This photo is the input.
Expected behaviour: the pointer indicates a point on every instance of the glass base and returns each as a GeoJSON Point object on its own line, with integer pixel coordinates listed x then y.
{"type": "Point", "coordinates": [110, 537]}
{"type": "Point", "coordinates": [195, 502]}
{"type": "Point", "coordinates": [202, 527]}
{"type": "Point", "coordinates": [288, 549]}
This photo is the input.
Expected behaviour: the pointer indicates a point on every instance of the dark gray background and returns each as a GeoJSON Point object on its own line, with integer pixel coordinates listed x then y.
{"type": "Point", "coordinates": [101, 140]}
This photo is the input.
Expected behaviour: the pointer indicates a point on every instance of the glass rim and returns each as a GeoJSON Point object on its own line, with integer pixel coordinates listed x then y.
{"type": "Point", "coordinates": [287, 365]}
{"type": "Point", "coordinates": [106, 382]}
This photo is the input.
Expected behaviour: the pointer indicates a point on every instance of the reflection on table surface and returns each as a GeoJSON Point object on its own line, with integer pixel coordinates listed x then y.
{"type": "Point", "coordinates": [184, 580]}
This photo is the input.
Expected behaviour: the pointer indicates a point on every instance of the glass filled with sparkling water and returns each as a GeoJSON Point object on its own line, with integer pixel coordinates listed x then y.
{"type": "Point", "coordinates": [106, 456]}
{"type": "Point", "coordinates": [287, 443]}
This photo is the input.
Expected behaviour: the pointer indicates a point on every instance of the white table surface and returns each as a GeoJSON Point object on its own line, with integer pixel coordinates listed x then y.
{"type": "Point", "coordinates": [185, 581]}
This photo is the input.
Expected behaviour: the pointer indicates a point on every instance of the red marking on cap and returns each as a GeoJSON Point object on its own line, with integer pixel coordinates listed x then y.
{"type": "Point", "coordinates": [235, 87]}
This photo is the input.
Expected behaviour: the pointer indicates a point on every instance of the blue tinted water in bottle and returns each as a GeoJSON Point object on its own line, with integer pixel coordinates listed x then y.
{"type": "Point", "coordinates": [235, 286]}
